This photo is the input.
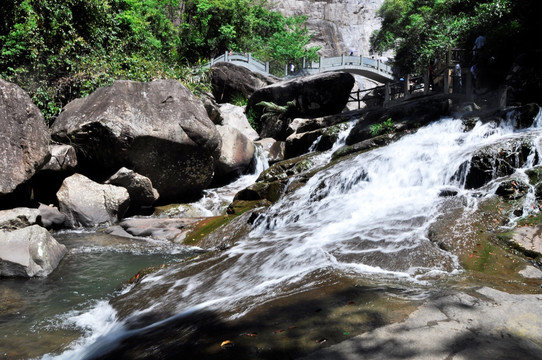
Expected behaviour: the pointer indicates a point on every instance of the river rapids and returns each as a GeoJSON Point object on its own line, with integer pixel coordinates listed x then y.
{"type": "Point", "coordinates": [361, 220]}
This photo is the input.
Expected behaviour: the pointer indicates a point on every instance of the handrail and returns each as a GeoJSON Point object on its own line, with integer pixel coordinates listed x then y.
{"type": "Point", "coordinates": [360, 64]}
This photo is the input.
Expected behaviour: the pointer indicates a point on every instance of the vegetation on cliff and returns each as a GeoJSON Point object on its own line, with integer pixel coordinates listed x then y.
{"type": "Point", "coordinates": [422, 30]}
{"type": "Point", "coordinates": [61, 50]}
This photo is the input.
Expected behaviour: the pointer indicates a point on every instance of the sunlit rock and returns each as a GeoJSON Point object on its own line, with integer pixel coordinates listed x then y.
{"type": "Point", "coordinates": [159, 129]}
{"type": "Point", "coordinates": [29, 252]}
{"type": "Point", "coordinates": [24, 138]}
{"type": "Point", "coordinates": [86, 203]}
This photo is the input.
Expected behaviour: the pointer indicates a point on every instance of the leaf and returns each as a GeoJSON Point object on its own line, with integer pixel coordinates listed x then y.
{"type": "Point", "coordinates": [226, 344]}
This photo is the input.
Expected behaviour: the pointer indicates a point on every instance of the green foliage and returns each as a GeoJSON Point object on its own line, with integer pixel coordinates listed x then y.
{"type": "Point", "coordinates": [421, 30]}
{"type": "Point", "coordinates": [253, 120]}
{"type": "Point", "coordinates": [290, 45]}
{"type": "Point", "coordinates": [240, 100]}
{"type": "Point", "coordinates": [61, 50]}
{"type": "Point", "coordinates": [384, 127]}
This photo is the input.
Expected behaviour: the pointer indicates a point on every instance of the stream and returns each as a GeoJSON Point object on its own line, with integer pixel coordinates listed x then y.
{"type": "Point", "coordinates": [345, 253]}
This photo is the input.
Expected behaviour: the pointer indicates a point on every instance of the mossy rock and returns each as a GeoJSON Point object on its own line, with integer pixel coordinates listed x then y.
{"type": "Point", "coordinates": [262, 191]}
{"type": "Point", "coordinates": [284, 169]}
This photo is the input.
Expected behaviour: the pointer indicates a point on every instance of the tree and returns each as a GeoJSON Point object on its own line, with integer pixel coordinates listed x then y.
{"type": "Point", "coordinates": [291, 43]}
{"type": "Point", "coordinates": [420, 30]}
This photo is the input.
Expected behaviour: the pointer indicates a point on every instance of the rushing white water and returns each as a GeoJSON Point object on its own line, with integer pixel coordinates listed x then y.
{"type": "Point", "coordinates": [215, 201]}
{"type": "Point", "coordinates": [364, 217]}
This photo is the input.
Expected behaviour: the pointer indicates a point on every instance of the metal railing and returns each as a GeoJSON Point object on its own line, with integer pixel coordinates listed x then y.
{"type": "Point", "coordinates": [337, 63]}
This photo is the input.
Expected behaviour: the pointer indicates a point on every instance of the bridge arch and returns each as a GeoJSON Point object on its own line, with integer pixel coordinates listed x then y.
{"type": "Point", "coordinates": [360, 65]}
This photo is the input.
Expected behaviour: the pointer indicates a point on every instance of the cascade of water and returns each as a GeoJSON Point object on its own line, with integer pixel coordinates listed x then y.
{"type": "Point", "coordinates": [365, 216]}
{"type": "Point", "coordinates": [215, 201]}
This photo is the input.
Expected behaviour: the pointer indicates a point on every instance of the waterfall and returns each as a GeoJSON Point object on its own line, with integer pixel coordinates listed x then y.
{"type": "Point", "coordinates": [366, 217]}
{"type": "Point", "coordinates": [215, 201]}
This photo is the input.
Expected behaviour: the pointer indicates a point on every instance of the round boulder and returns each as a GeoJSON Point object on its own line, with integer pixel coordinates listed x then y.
{"type": "Point", "coordinates": [86, 203]}
{"type": "Point", "coordinates": [236, 153]}
{"type": "Point", "coordinates": [234, 116]}
{"type": "Point", "coordinates": [229, 81]}
{"type": "Point", "coordinates": [28, 252]}
{"type": "Point", "coordinates": [312, 96]}
{"type": "Point", "coordinates": [139, 187]}
{"type": "Point", "coordinates": [159, 129]}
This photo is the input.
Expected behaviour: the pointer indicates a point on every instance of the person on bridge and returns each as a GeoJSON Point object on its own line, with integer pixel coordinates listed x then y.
{"type": "Point", "coordinates": [456, 74]}
{"type": "Point", "coordinates": [479, 43]}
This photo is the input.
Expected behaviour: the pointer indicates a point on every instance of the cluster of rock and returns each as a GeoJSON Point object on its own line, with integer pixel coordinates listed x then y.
{"type": "Point", "coordinates": [132, 145]}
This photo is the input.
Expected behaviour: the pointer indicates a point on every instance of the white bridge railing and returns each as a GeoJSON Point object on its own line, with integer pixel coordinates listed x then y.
{"type": "Point", "coordinates": [372, 68]}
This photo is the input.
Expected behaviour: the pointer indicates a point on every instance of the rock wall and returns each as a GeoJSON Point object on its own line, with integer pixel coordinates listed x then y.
{"type": "Point", "coordinates": [338, 25]}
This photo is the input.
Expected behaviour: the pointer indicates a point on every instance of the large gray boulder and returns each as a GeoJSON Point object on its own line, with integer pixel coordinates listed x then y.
{"type": "Point", "coordinates": [24, 138]}
{"type": "Point", "coordinates": [86, 203]}
{"type": "Point", "coordinates": [234, 116]}
{"type": "Point", "coordinates": [236, 153]}
{"type": "Point", "coordinates": [28, 252]}
{"type": "Point", "coordinates": [51, 217]}
{"type": "Point", "coordinates": [229, 81]}
{"type": "Point", "coordinates": [159, 129]}
{"type": "Point", "coordinates": [273, 149]}
{"type": "Point", "coordinates": [312, 96]}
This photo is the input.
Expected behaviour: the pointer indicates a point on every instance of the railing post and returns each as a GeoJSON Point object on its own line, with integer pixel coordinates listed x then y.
{"type": "Point", "coordinates": [304, 64]}
{"type": "Point", "coordinates": [406, 85]}
{"type": "Point", "coordinates": [377, 64]}
{"type": "Point", "coordinates": [319, 64]}
{"type": "Point", "coordinates": [387, 92]}
{"type": "Point", "coordinates": [469, 91]}
{"type": "Point", "coordinates": [286, 69]}
{"type": "Point", "coordinates": [342, 60]}
{"type": "Point", "coordinates": [267, 67]}
{"type": "Point", "coordinates": [226, 56]}
{"type": "Point", "coordinates": [249, 57]}
{"type": "Point", "coordinates": [446, 80]}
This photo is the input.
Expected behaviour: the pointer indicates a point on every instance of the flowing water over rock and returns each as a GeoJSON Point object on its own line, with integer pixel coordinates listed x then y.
{"type": "Point", "coordinates": [362, 222]}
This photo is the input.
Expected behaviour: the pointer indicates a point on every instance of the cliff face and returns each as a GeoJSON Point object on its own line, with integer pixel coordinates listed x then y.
{"type": "Point", "coordinates": [338, 25]}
